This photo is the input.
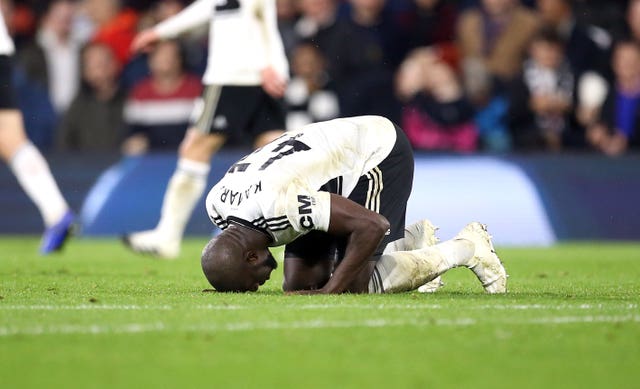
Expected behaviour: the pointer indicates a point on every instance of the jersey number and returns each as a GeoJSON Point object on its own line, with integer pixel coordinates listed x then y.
{"type": "Point", "coordinates": [287, 147]}
{"type": "Point", "coordinates": [227, 5]}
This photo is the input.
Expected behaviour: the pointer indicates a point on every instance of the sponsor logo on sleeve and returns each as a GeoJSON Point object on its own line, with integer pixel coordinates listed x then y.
{"type": "Point", "coordinates": [305, 204]}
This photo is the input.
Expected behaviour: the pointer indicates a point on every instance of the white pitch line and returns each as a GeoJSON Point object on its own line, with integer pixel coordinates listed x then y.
{"type": "Point", "coordinates": [86, 307]}
{"type": "Point", "coordinates": [311, 307]}
{"type": "Point", "coordinates": [92, 329]}
{"type": "Point", "coordinates": [586, 319]}
{"type": "Point", "coordinates": [138, 328]}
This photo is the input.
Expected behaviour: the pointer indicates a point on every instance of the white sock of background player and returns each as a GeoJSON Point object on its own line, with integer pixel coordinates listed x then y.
{"type": "Point", "coordinates": [186, 187]}
{"type": "Point", "coordinates": [33, 174]}
{"type": "Point", "coordinates": [403, 271]}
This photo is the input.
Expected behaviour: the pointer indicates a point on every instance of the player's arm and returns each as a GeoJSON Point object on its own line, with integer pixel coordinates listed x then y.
{"type": "Point", "coordinates": [193, 16]}
{"type": "Point", "coordinates": [364, 230]}
{"type": "Point", "coordinates": [274, 76]}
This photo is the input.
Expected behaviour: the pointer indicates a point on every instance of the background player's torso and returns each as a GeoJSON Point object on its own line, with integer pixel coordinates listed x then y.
{"type": "Point", "coordinates": [6, 44]}
{"type": "Point", "coordinates": [238, 46]}
{"type": "Point", "coordinates": [266, 182]}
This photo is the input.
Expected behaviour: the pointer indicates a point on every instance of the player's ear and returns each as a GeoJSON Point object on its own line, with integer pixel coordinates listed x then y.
{"type": "Point", "coordinates": [251, 256]}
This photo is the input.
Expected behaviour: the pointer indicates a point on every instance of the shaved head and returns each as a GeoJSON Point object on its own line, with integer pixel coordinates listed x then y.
{"type": "Point", "coordinates": [231, 267]}
{"type": "Point", "coordinates": [222, 266]}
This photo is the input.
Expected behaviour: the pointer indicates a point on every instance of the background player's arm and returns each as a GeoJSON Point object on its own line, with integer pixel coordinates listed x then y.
{"type": "Point", "coordinates": [274, 76]}
{"type": "Point", "coordinates": [364, 230]}
{"type": "Point", "coordinates": [196, 14]}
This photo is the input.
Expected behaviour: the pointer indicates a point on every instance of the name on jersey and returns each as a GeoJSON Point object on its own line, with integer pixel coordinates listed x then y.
{"type": "Point", "coordinates": [232, 197]}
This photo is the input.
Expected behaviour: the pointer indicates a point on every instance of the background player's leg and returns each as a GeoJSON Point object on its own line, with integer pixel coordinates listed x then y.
{"type": "Point", "coordinates": [185, 188]}
{"type": "Point", "coordinates": [267, 137]}
{"type": "Point", "coordinates": [33, 174]}
{"type": "Point", "coordinates": [188, 182]}
{"type": "Point", "coordinates": [309, 262]}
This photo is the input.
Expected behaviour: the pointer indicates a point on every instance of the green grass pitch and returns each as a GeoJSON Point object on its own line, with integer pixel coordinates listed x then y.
{"type": "Point", "coordinates": [97, 316]}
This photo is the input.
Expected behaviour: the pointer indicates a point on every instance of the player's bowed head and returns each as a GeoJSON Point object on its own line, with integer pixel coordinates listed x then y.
{"type": "Point", "coordinates": [238, 260]}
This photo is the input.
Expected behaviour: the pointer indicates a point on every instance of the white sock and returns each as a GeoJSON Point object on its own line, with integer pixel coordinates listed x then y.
{"type": "Point", "coordinates": [33, 174]}
{"type": "Point", "coordinates": [183, 192]}
{"type": "Point", "coordinates": [457, 252]}
{"type": "Point", "coordinates": [407, 270]}
{"type": "Point", "coordinates": [414, 239]}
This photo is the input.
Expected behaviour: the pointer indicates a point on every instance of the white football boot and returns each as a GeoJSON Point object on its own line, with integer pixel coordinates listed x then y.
{"type": "Point", "coordinates": [151, 243]}
{"type": "Point", "coordinates": [419, 235]}
{"type": "Point", "coordinates": [485, 263]}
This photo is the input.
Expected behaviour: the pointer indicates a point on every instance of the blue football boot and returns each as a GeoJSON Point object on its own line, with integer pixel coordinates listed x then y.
{"type": "Point", "coordinates": [54, 237]}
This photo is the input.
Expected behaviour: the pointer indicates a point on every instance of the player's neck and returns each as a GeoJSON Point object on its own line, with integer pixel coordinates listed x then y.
{"type": "Point", "coordinates": [248, 237]}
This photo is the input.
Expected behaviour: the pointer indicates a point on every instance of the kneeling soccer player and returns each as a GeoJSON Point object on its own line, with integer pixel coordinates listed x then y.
{"type": "Point", "coordinates": [335, 194]}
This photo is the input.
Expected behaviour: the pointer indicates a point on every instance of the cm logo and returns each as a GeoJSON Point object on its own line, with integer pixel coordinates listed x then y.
{"type": "Point", "coordinates": [304, 209]}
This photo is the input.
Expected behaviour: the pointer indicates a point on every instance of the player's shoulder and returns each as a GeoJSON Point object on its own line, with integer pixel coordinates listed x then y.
{"type": "Point", "coordinates": [356, 122]}
{"type": "Point", "coordinates": [369, 123]}
{"type": "Point", "coordinates": [373, 120]}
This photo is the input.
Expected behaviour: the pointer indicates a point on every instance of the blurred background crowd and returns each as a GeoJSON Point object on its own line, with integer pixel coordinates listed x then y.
{"type": "Point", "coordinates": [458, 76]}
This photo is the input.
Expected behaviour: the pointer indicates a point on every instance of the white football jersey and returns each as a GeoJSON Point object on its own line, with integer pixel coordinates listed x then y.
{"type": "Point", "coordinates": [6, 44]}
{"type": "Point", "coordinates": [276, 188]}
{"type": "Point", "coordinates": [243, 39]}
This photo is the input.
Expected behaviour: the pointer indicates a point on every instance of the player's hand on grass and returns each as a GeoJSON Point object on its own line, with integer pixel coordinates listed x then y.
{"type": "Point", "coordinates": [273, 83]}
{"type": "Point", "coordinates": [144, 41]}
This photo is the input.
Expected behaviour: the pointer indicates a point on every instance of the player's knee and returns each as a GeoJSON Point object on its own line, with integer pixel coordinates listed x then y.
{"type": "Point", "coordinates": [380, 224]}
{"type": "Point", "coordinates": [199, 146]}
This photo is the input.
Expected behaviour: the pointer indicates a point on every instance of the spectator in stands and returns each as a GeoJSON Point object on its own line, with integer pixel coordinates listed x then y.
{"type": "Point", "coordinates": [158, 108]}
{"type": "Point", "coordinates": [633, 20]}
{"type": "Point", "coordinates": [386, 39]}
{"type": "Point", "coordinates": [287, 18]}
{"type": "Point", "coordinates": [433, 23]}
{"type": "Point", "coordinates": [437, 115]}
{"type": "Point", "coordinates": [94, 121]}
{"type": "Point", "coordinates": [137, 68]}
{"type": "Point", "coordinates": [310, 95]}
{"type": "Point", "coordinates": [335, 38]}
{"type": "Point", "coordinates": [493, 40]}
{"type": "Point", "coordinates": [318, 22]}
{"type": "Point", "coordinates": [380, 48]}
{"type": "Point", "coordinates": [115, 26]}
{"type": "Point", "coordinates": [591, 90]}
{"type": "Point", "coordinates": [541, 98]}
{"type": "Point", "coordinates": [619, 126]}
{"type": "Point", "coordinates": [587, 47]}
{"type": "Point", "coordinates": [52, 59]}
{"type": "Point", "coordinates": [20, 21]}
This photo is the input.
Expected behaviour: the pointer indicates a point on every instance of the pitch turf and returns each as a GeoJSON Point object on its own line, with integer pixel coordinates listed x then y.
{"type": "Point", "coordinates": [98, 316]}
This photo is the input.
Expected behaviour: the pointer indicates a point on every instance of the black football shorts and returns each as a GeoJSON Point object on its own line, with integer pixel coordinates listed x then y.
{"type": "Point", "coordinates": [7, 98]}
{"type": "Point", "coordinates": [237, 111]}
